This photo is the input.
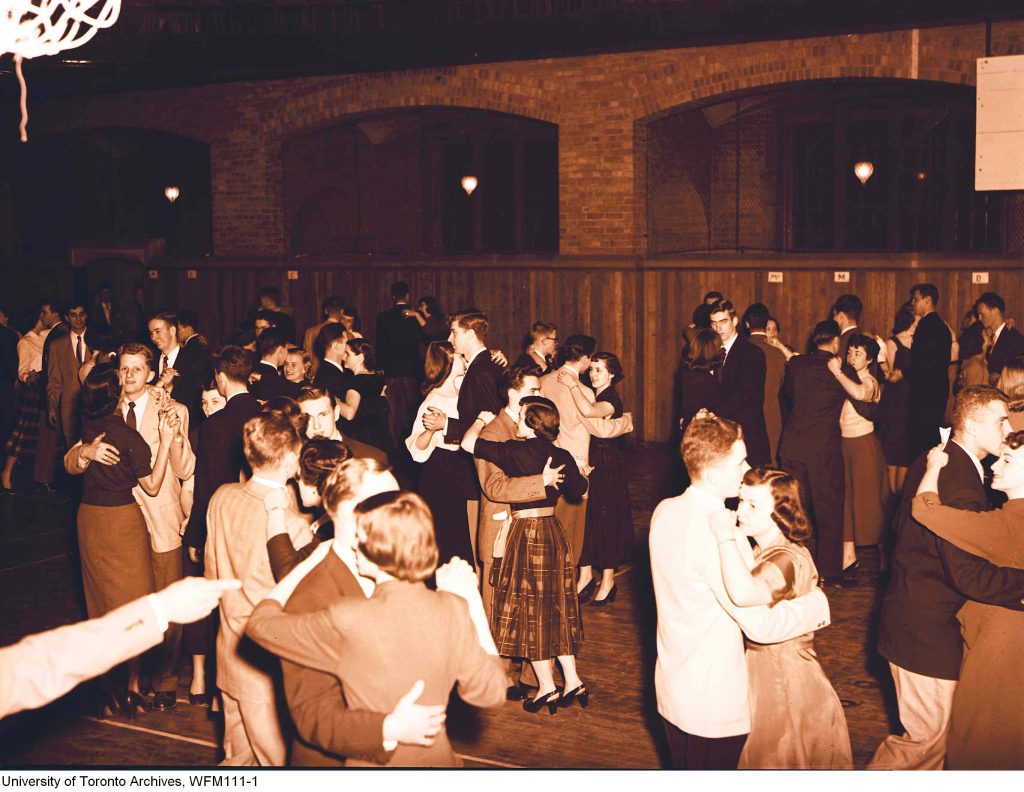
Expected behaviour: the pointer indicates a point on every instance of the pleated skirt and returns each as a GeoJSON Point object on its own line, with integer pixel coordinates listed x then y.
{"type": "Point", "coordinates": [116, 565]}
{"type": "Point", "coordinates": [536, 614]}
{"type": "Point", "coordinates": [24, 436]}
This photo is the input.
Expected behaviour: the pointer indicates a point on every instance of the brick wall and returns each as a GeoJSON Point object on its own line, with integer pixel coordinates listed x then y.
{"type": "Point", "coordinates": [601, 103]}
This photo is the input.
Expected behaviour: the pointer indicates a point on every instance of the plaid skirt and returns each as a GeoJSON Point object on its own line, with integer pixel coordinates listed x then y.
{"type": "Point", "coordinates": [25, 435]}
{"type": "Point", "coordinates": [536, 614]}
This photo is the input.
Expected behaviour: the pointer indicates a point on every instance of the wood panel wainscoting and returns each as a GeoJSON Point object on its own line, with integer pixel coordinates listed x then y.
{"type": "Point", "coordinates": [636, 307]}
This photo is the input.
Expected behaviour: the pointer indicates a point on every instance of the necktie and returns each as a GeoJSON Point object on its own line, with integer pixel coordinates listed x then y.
{"type": "Point", "coordinates": [720, 367]}
{"type": "Point", "coordinates": [78, 351]}
{"type": "Point", "coordinates": [130, 417]}
{"type": "Point", "coordinates": [163, 364]}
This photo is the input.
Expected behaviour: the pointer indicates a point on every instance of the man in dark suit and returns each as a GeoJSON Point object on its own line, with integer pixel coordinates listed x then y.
{"type": "Point", "coordinates": [811, 445]}
{"type": "Point", "coordinates": [479, 391]}
{"type": "Point", "coordinates": [220, 458]}
{"type": "Point", "coordinates": [332, 375]}
{"type": "Point", "coordinates": [741, 377]}
{"type": "Point", "coordinates": [1003, 343]}
{"type": "Point", "coordinates": [273, 347]}
{"type": "Point", "coordinates": [542, 348]}
{"type": "Point", "coordinates": [326, 731]}
{"type": "Point", "coordinates": [756, 320]}
{"type": "Point", "coordinates": [929, 371]}
{"type": "Point", "coordinates": [846, 313]}
{"type": "Point", "coordinates": [931, 579]}
{"type": "Point", "coordinates": [105, 315]}
{"type": "Point", "coordinates": [182, 368]}
{"type": "Point", "coordinates": [321, 409]}
{"type": "Point", "coordinates": [398, 355]}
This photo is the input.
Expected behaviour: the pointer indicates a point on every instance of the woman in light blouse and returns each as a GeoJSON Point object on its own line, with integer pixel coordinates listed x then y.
{"type": "Point", "coordinates": [867, 482]}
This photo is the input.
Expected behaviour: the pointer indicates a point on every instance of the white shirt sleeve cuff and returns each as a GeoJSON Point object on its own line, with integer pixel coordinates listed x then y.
{"type": "Point", "coordinates": [158, 610]}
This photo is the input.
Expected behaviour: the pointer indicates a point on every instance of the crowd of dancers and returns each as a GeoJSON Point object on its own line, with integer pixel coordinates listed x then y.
{"type": "Point", "coordinates": [383, 521]}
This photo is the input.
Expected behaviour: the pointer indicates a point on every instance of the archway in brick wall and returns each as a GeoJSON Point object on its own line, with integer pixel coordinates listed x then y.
{"type": "Point", "coordinates": [107, 184]}
{"type": "Point", "coordinates": [390, 182]}
{"type": "Point", "coordinates": [771, 170]}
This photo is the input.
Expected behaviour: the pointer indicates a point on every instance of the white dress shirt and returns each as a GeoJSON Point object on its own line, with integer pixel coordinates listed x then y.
{"type": "Point", "coordinates": [140, 407]}
{"type": "Point", "coordinates": [30, 353]}
{"type": "Point", "coordinates": [700, 677]}
{"type": "Point", "coordinates": [75, 338]}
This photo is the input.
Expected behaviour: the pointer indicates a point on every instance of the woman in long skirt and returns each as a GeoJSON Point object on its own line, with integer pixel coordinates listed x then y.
{"type": "Point", "coordinates": [608, 540]}
{"type": "Point", "coordinates": [867, 484]}
{"type": "Point", "coordinates": [535, 612]}
{"type": "Point", "coordinates": [796, 718]}
{"type": "Point", "coordinates": [447, 478]}
{"type": "Point", "coordinates": [112, 536]}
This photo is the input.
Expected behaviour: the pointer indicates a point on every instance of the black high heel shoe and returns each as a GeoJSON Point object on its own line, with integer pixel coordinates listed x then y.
{"type": "Point", "coordinates": [107, 704]}
{"type": "Point", "coordinates": [550, 701]}
{"type": "Point", "coordinates": [199, 699]}
{"type": "Point", "coordinates": [580, 694]}
{"type": "Point", "coordinates": [587, 592]}
{"type": "Point", "coordinates": [848, 578]}
{"type": "Point", "coordinates": [609, 599]}
{"type": "Point", "coordinates": [133, 703]}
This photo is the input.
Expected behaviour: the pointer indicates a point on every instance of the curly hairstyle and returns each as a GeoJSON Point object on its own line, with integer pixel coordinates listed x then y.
{"type": "Point", "coordinates": [319, 458]}
{"type": "Point", "coordinates": [542, 416]}
{"type": "Point", "coordinates": [360, 346]}
{"type": "Point", "coordinates": [612, 363]}
{"type": "Point", "coordinates": [1014, 440]}
{"type": "Point", "coordinates": [788, 513]}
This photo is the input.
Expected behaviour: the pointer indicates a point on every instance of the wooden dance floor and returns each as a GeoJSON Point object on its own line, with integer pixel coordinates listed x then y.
{"type": "Point", "coordinates": [39, 587]}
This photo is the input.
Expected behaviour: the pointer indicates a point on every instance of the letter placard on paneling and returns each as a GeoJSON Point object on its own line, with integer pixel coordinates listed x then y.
{"type": "Point", "coordinates": [841, 277]}
{"type": "Point", "coordinates": [775, 277]}
{"type": "Point", "coordinates": [999, 157]}
{"type": "Point", "coordinates": [979, 277]}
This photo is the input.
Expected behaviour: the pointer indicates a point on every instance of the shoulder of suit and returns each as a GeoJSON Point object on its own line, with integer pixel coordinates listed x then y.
{"type": "Point", "coordinates": [496, 429]}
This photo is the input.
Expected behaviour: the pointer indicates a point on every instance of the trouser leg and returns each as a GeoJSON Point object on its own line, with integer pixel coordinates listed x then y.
{"type": "Point", "coordinates": [925, 705]}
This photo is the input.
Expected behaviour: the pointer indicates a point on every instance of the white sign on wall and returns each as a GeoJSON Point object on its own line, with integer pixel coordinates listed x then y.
{"type": "Point", "coordinates": [999, 139]}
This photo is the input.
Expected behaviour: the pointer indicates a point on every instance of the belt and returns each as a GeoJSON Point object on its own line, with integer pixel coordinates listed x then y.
{"type": "Point", "coordinates": [543, 511]}
{"type": "Point", "coordinates": [801, 642]}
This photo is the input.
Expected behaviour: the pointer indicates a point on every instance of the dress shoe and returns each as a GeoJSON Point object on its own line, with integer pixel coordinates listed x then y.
{"type": "Point", "coordinates": [133, 703]}
{"type": "Point", "coordinates": [164, 700]}
{"type": "Point", "coordinates": [107, 705]}
{"type": "Point", "coordinates": [849, 577]}
{"type": "Point", "coordinates": [46, 492]}
{"type": "Point", "coordinates": [580, 694]}
{"type": "Point", "coordinates": [549, 700]}
{"type": "Point", "coordinates": [610, 598]}
{"type": "Point", "coordinates": [587, 591]}
{"type": "Point", "coordinates": [519, 691]}
{"type": "Point", "coordinates": [199, 699]}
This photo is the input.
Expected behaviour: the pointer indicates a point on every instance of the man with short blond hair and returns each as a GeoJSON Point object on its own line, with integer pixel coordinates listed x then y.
{"type": "Point", "coordinates": [700, 678]}
{"type": "Point", "coordinates": [164, 513]}
{"type": "Point", "coordinates": [236, 548]}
